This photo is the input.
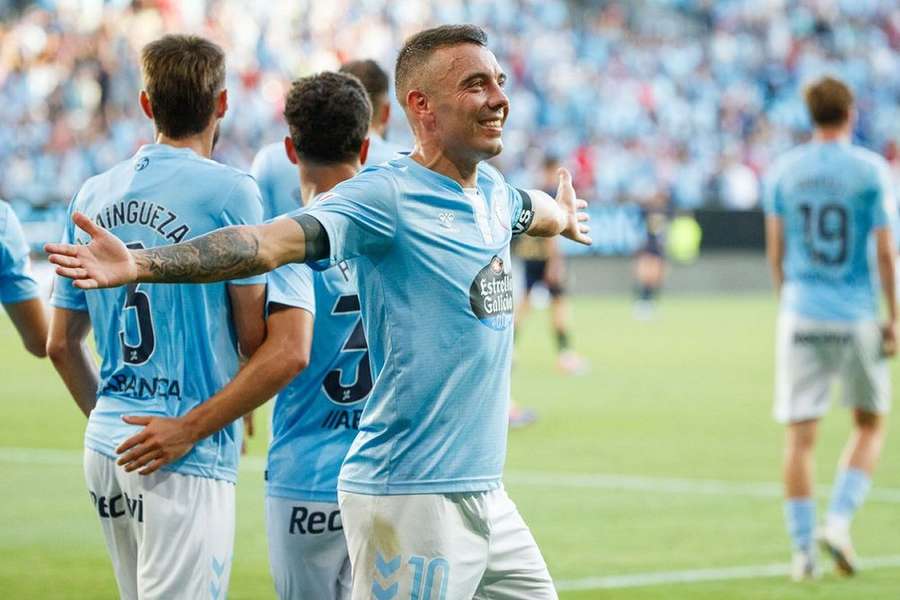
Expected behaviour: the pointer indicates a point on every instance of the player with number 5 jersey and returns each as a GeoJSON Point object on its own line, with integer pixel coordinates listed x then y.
{"type": "Point", "coordinates": [164, 349]}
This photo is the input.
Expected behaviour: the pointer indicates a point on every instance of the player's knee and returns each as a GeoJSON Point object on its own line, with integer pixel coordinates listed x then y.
{"type": "Point", "coordinates": [868, 422]}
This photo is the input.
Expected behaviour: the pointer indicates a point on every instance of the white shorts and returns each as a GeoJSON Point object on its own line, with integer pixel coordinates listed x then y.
{"type": "Point", "coordinates": [170, 536]}
{"type": "Point", "coordinates": [811, 355]}
{"type": "Point", "coordinates": [307, 550]}
{"type": "Point", "coordinates": [442, 547]}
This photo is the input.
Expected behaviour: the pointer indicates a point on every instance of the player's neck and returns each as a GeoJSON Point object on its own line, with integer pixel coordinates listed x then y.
{"type": "Point", "coordinates": [463, 172]}
{"type": "Point", "coordinates": [378, 130]}
{"type": "Point", "coordinates": [827, 135]}
{"type": "Point", "coordinates": [202, 143]}
{"type": "Point", "coordinates": [318, 179]}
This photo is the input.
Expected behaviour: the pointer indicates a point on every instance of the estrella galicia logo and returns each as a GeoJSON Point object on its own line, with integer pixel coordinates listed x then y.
{"type": "Point", "coordinates": [491, 295]}
{"type": "Point", "coordinates": [141, 164]}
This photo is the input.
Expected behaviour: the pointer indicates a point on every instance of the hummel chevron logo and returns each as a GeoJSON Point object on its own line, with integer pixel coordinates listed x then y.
{"type": "Point", "coordinates": [217, 567]}
{"type": "Point", "coordinates": [386, 568]}
{"type": "Point", "coordinates": [214, 590]}
{"type": "Point", "coordinates": [381, 593]}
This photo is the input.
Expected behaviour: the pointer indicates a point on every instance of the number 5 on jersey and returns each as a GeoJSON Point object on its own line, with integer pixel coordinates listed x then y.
{"type": "Point", "coordinates": [137, 302]}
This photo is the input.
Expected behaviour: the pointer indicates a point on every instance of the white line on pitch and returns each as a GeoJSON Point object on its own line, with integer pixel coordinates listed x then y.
{"type": "Point", "coordinates": [700, 575]}
{"type": "Point", "coordinates": [634, 483]}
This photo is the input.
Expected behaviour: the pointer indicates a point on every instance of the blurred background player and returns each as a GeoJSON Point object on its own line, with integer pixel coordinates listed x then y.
{"type": "Point", "coordinates": [650, 260]}
{"type": "Point", "coordinates": [19, 292]}
{"type": "Point", "coordinates": [325, 365]}
{"type": "Point", "coordinates": [165, 348]}
{"type": "Point", "coordinates": [827, 201]}
{"type": "Point", "coordinates": [277, 177]}
{"type": "Point", "coordinates": [544, 264]}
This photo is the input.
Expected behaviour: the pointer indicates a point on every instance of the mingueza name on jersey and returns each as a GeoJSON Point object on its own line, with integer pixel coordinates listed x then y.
{"type": "Point", "coordinates": [340, 418]}
{"type": "Point", "coordinates": [305, 521]}
{"type": "Point", "coordinates": [120, 505]}
{"type": "Point", "coordinates": [149, 214]}
{"type": "Point", "coordinates": [829, 337]}
{"type": "Point", "coordinates": [138, 387]}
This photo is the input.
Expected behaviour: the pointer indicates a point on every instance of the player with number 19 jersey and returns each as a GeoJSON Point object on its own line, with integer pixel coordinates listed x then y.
{"type": "Point", "coordinates": [831, 197]}
{"type": "Point", "coordinates": [164, 348]}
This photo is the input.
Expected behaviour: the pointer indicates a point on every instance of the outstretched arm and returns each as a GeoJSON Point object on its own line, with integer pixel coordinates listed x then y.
{"type": "Point", "coordinates": [227, 253]}
{"type": "Point", "coordinates": [283, 354]}
{"type": "Point", "coordinates": [560, 216]}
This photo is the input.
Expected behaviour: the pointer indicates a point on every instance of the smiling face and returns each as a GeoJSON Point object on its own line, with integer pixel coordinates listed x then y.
{"type": "Point", "coordinates": [468, 107]}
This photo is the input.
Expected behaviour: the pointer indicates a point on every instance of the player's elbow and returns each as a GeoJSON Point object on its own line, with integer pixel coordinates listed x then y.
{"type": "Point", "coordinates": [295, 361]}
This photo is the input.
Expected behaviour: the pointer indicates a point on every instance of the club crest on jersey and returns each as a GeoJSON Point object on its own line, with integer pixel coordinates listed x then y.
{"type": "Point", "coordinates": [491, 295]}
{"type": "Point", "coordinates": [141, 164]}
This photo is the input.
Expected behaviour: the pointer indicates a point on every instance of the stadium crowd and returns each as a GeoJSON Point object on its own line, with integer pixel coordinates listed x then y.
{"type": "Point", "coordinates": [691, 98]}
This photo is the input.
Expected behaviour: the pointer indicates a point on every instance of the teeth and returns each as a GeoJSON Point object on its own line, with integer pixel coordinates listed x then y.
{"type": "Point", "coordinates": [494, 123]}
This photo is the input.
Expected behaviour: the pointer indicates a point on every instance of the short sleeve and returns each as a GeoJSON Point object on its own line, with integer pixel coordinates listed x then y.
{"type": "Point", "coordinates": [16, 281]}
{"type": "Point", "coordinates": [291, 285]}
{"type": "Point", "coordinates": [359, 215]}
{"type": "Point", "coordinates": [65, 294]}
{"type": "Point", "coordinates": [773, 203]}
{"type": "Point", "coordinates": [884, 206]}
{"type": "Point", "coordinates": [244, 207]}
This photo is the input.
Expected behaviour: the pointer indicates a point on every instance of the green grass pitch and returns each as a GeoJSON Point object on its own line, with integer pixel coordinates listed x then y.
{"type": "Point", "coordinates": [610, 479]}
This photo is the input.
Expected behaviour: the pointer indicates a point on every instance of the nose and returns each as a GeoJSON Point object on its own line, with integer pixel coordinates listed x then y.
{"type": "Point", "coordinates": [497, 98]}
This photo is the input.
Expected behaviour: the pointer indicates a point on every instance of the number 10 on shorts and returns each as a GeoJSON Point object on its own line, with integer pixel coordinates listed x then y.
{"type": "Point", "coordinates": [434, 570]}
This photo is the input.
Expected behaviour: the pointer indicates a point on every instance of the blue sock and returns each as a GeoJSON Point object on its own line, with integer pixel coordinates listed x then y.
{"type": "Point", "coordinates": [847, 495]}
{"type": "Point", "coordinates": [800, 517]}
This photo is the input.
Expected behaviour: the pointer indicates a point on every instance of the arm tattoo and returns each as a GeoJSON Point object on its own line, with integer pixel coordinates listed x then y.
{"type": "Point", "coordinates": [318, 246]}
{"type": "Point", "coordinates": [526, 215]}
{"type": "Point", "coordinates": [228, 253]}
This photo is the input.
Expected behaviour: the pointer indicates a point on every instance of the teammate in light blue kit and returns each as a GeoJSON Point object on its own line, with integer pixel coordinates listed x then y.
{"type": "Point", "coordinates": [827, 205]}
{"type": "Point", "coordinates": [164, 349]}
{"type": "Point", "coordinates": [277, 175]}
{"type": "Point", "coordinates": [317, 411]}
{"type": "Point", "coordinates": [19, 292]}
{"type": "Point", "coordinates": [420, 491]}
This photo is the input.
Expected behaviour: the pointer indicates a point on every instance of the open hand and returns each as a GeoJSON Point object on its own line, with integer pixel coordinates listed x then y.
{"type": "Point", "coordinates": [575, 226]}
{"type": "Point", "coordinates": [162, 441]}
{"type": "Point", "coordinates": [104, 262]}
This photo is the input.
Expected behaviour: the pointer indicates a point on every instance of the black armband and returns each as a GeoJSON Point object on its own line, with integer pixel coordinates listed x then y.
{"type": "Point", "coordinates": [317, 244]}
{"type": "Point", "coordinates": [526, 215]}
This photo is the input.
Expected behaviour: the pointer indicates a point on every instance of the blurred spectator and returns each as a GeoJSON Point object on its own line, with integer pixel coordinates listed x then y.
{"type": "Point", "coordinates": [640, 98]}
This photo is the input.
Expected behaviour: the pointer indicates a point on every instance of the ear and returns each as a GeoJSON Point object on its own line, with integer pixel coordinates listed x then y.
{"type": "Point", "coordinates": [144, 101]}
{"type": "Point", "coordinates": [417, 104]}
{"type": "Point", "coordinates": [221, 104]}
{"type": "Point", "coordinates": [385, 112]}
{"type": "Point", "coordinates": [364, 151]}
{"type": "Point", "coordinates": [290, 150]}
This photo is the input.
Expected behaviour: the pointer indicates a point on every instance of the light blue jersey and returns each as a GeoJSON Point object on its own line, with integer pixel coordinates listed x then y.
{"type": "Point", "coordinates": [434, 283]}
{"type": "Point", "coordinates": [317, 415]}
{"type": "Point", "coordinates": [381, 150]}
{"type": "Point", "coordinates": [278, 180]}
{"type": "Point", "coordinates": [831, 197]}
{"type": "Point", "coordinates": [164, 348]}
{"type": "Point", "coordinates": [16, 282]}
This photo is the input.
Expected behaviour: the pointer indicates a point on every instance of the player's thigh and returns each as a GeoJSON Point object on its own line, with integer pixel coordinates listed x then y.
{"type": "Point", "coordinates": [186, 536]}
{"type": "Point", "coordinates": [866, 371]}
{"type": "Point", "coordinates": [515, 569]}
{"type": "Point", "coordinates": [427, 546]}
{"type": "Point", "coordinates": [805, 363]}
{"type": "Point", "coordinates": [117, 522]}
{"type": "Point", "coordinates": [307, 550]}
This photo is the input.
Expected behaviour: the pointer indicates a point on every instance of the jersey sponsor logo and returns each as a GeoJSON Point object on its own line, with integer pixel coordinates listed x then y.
{"type": "Point", "coordinates": [304, 521]}
{"type": "Point", "coordinates": [149, 214]}
{"type": "Point", "coordinates": [133, 386]}
{"type": "Point", "coordinates": [491, 295]}
{"type": "Point", "coordinates": [120, 505]}
{"type": "Point", "coordinates": [341, 419]}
